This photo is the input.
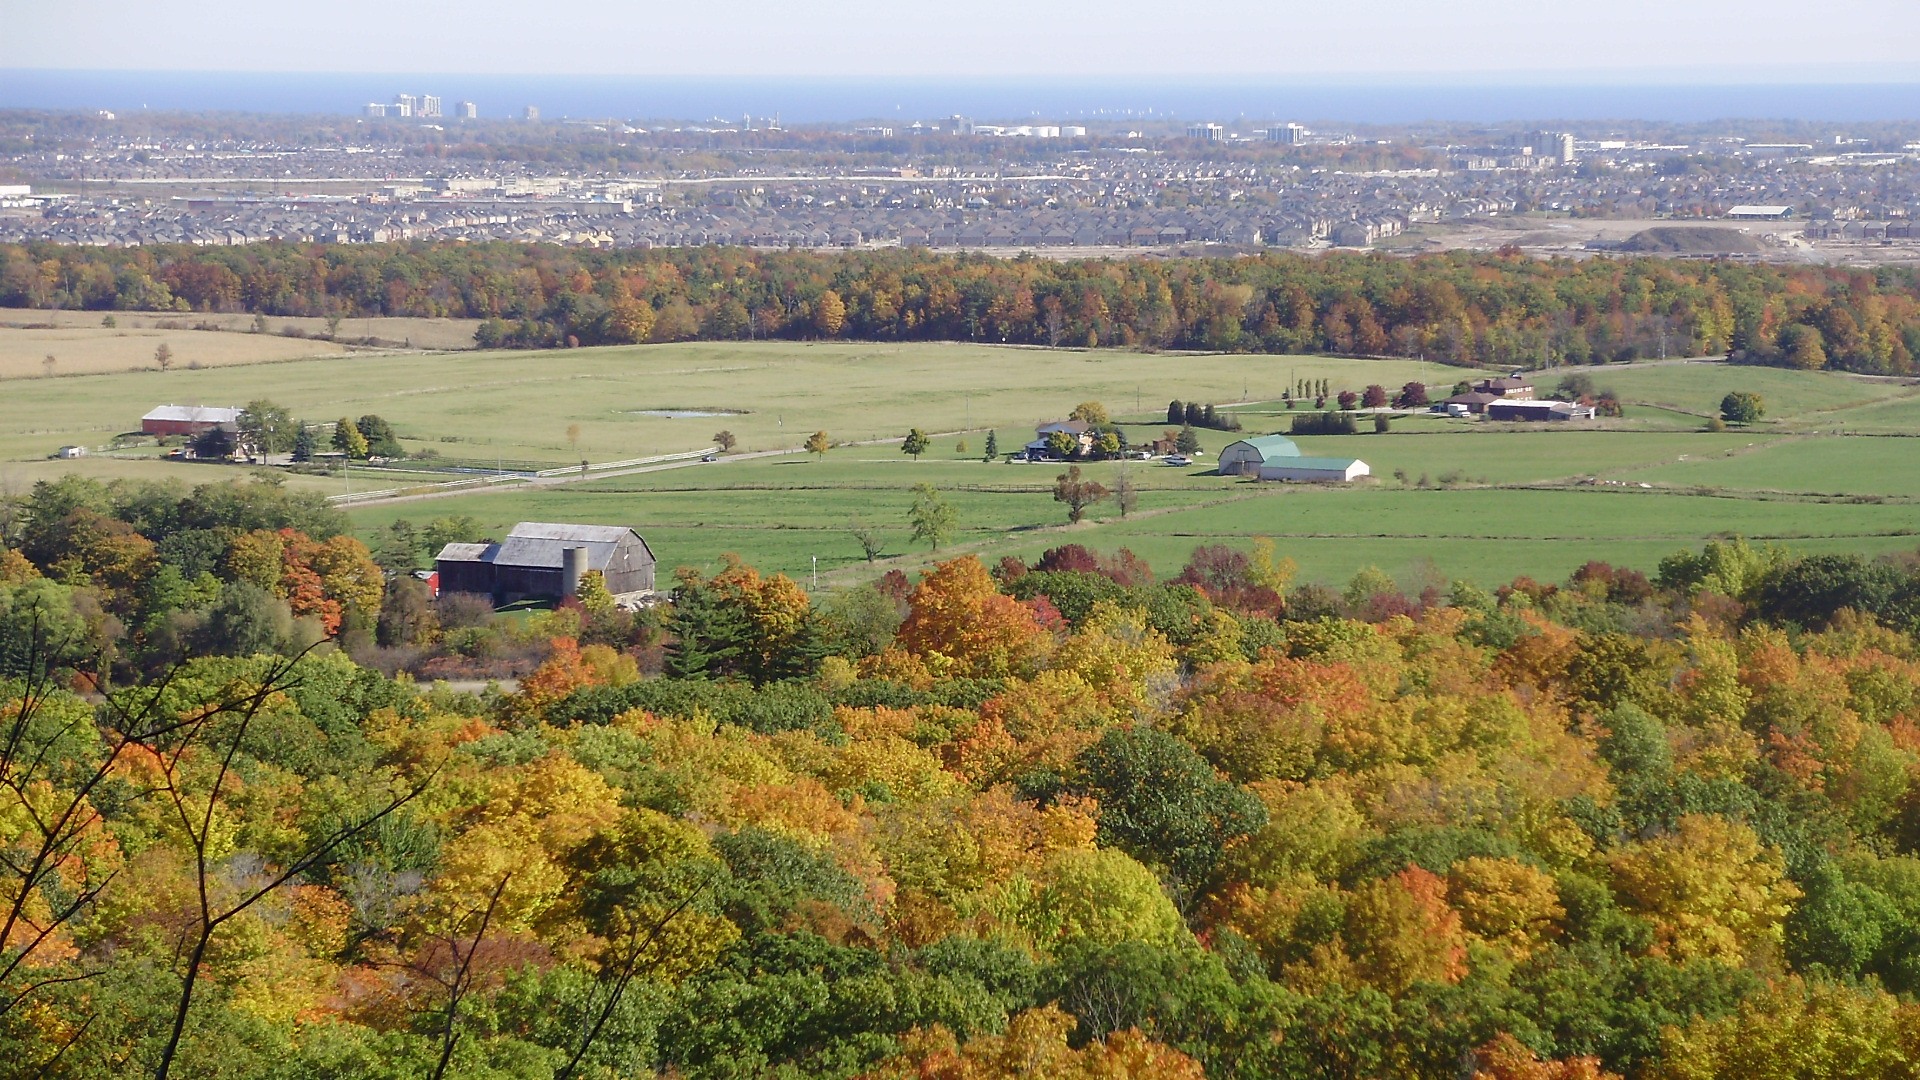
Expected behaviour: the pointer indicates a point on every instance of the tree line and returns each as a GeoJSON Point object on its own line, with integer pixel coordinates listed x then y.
{"type": "Point", "coordinates": [1497, 308]}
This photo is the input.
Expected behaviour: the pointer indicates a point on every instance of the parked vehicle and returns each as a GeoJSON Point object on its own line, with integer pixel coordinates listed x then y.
{"type": "Point", "coordinates": [1176, 460]}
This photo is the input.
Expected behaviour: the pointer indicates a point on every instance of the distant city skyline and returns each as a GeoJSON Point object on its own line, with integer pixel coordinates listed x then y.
{"type": "Point", "coordinates": [1627, 40]}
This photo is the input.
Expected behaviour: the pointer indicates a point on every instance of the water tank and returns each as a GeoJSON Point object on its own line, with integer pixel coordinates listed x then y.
{"type": "Point", "coordinates": [573, 566]}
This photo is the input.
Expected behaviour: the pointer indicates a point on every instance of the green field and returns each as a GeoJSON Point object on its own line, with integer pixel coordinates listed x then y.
{"type": "Point", "coordinates": [1480, 501]}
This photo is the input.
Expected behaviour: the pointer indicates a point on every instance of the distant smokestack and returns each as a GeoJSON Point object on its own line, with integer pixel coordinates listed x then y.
{"type": "Point", "coordinates": [573, 566]}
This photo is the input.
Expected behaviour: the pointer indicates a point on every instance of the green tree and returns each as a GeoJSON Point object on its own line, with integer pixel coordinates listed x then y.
{"type": "Point", "coordinates": [931, 516]}
{"type": "Point", "coordinates": [382, 442]}
{"type": "Point", "coordinates": [267, 428]}
{"type": "Point", "coordinates": [1063, 444]}
{"type": "Point", "coordinates": [348, 440]}
{"type": "Point", "coordinates": [304, 444]}
{"type": "Point", "coordinates": [1162, 801]}
{"type": "Point", "coordinates": [1188, 441]}
{"type": "Point", "coordinates": [916, 443]}
{"type": "Point", "coordinates": [1742, 407]}
{"type": "Point", "coordinates": [993, 446]}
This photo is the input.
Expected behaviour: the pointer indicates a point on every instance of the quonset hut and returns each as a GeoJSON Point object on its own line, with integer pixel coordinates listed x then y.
{"type": "Point", "coordinates": [544, 561]}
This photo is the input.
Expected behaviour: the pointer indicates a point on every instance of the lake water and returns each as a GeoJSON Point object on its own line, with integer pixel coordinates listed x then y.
{"type": "Point", "coordinates": [801, 101]}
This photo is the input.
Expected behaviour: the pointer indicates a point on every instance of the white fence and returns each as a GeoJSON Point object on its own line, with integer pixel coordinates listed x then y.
{"type": "Point", "coordinates": [605, 466]}
{"type": "Point", "coordinates": [351, 497]}
{"type": "Point", "coordinates": [348, 498]}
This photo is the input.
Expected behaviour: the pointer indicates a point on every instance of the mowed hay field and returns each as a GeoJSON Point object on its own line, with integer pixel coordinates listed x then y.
{"type": "Point", "coordinates": [1473, 500]}
{"type": "Point", "coordinates": [95, 351]}
{"type": "Point", "coordinates": [527, 406]}
{"type": "Point", "coordinates": [401, 332]}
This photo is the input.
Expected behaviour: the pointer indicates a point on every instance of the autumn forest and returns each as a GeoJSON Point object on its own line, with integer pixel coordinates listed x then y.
{"type": "Point", "coordinates": [1500, 309]}
{"type": "Point", "coordinates": [1066, 818]}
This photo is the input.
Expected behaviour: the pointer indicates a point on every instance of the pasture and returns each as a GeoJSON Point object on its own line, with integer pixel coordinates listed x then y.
{"type": "Point", "coordinates": [1475, 500]}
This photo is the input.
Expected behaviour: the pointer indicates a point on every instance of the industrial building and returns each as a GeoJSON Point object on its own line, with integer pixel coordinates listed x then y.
{"type": "Point", "coordinates": [545, 561]}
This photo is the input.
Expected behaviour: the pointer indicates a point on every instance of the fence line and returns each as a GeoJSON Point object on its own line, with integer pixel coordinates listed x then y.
{"type": "Point", "coordinates": [604, 466]}
{"type": "Point", "coordinates": [350, 497]}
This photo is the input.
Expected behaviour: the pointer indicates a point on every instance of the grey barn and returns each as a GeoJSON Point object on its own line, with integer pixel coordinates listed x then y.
{"type": "Point", "coordinates": [541, 560]}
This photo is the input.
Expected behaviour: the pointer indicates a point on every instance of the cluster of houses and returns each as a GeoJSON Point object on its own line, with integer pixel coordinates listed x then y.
{"type": "Point", "coordinates": [1510, 397]}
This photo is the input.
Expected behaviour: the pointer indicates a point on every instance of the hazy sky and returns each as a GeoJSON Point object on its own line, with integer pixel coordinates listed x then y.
{"type": "Point", "coordinates": [1843, 40]}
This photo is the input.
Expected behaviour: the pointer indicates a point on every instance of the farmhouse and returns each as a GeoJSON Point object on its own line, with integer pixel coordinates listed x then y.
{"type": "Point", "coordinates": [189, 420]}
{"type": "Point", "coordinates": [1539, 410]}
{"type": "Point", "coordinates": [1487, 391]}
{"type": "Point", "coordinates": [1276, 457]}
{"type": "Point", "coordinates": [1038, 450]}
{"type": "Point", "coordinates": [545, 561]}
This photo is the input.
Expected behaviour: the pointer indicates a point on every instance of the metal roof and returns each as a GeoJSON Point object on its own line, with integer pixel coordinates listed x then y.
{"type": "Point", "coordinates": [1329, 464]}
{"type": "Point", "coordinates": [1269, 446]}
{"type": "Point", "coordinates": [194, 414]}
{"type": "Point", "coordinates": [466, 553]}
{"type": "Point", "coordinates": [540, 544]}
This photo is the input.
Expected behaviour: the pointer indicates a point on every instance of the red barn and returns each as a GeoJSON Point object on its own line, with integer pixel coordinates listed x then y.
{"type": "Point", "coordinates": [186, 420]}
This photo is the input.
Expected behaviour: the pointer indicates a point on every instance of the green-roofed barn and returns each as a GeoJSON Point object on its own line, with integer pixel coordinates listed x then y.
{"type": "Point", "coordinates": [1276, 457]}
{"type": "Point", "coordinates": [1245, 457]}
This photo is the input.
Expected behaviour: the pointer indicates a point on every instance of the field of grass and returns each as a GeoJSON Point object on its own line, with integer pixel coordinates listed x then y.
{"type": "Point", "coordinates": [1497, 500]}
{"type": "Point", "coordinates": [1865, 465]}
{"type": "Point", "coordinates": [524, 405]}
{"type": "Point", "coordinates": [97, 350]}
{"type": "Point", "coordinates": [402, 332]}
{"type": "Point", "coordinates": [1791, 396]}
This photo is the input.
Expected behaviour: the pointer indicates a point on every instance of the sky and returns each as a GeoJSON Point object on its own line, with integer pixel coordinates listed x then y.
{"type": "Point", "coordinates": [1534, 40]}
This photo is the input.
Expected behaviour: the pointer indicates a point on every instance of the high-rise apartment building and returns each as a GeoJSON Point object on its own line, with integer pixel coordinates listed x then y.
{"type": "Point", "coordinates": [1290, 134]}
{"type": "Point", "coordinates": [1553, 146]}
{"type": "Point", "coordinates": [467, 110]}
{"type": "Point", "coordinates": [404, 105]}
{"type": "Point", "coordinates": [532, 112]}
{"type": "Point", "coordinates": [430, 105]}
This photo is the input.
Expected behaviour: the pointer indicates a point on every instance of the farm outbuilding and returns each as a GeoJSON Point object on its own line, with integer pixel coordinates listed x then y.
{"type": "Point", "coordinates": [1243, 457]}
{"type": "Point", "coordinates": [1539, 410]}
{"type": "Point", "coordinates": [1315, 470]}
{"type": "Point", "coordinates": [165, 420]}
{"type": "Point", "coordinates": [545, 561]}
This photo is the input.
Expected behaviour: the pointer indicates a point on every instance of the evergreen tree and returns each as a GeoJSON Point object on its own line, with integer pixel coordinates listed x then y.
{"type": "Point", "coordinates": [993, 447]}
{"type": "Point", "coordinates": [1176, 412]}
{"type": "Point", "coordinates": [304, 444]}
{"type": "Point", "coordinates": [1189, 440]}
{"type": "Point", "coordinates": [709, 637]}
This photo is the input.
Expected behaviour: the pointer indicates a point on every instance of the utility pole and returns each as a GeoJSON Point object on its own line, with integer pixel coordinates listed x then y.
{"type": "Point", "coordinates": [816, 573]}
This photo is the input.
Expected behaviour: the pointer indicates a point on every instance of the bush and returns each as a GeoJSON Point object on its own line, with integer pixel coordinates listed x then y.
{"type": "Point", "coordinates": [1328, 423]}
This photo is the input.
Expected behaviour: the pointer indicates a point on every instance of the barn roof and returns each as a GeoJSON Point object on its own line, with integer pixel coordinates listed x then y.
{"type": "Point", "coordinates": [540, 543]}
{"type": "Point", "coordinates": [1327, 464]}
{"type": "Point", "coordinates": [194, 414]}
{"type": "Point", "coordinates": [1272, 445]}
{"type": "Point", "coordinates": [466, 553]}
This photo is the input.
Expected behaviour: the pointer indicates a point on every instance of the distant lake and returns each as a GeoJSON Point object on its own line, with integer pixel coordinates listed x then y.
{"type": "Point", "coordinates": [805, 101]}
